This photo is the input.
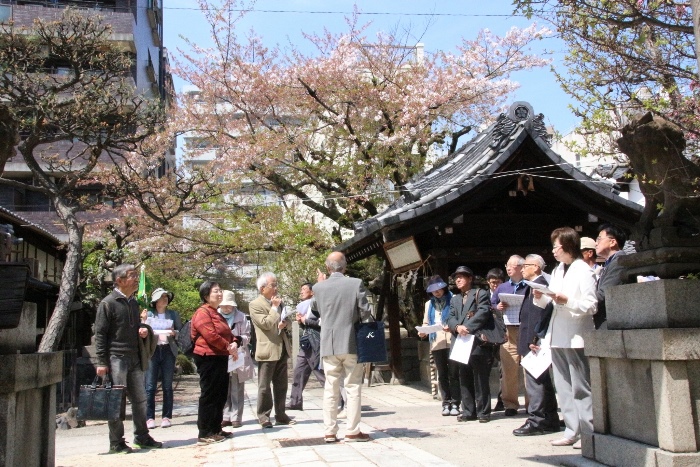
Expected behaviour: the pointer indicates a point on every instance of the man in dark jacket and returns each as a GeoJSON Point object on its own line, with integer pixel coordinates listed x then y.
{"type": "Point", "coordinates": [469, 312]}
{"type": "Point", "coordinates": [542, 406]}
{"type": "Point", "coordinates": [118, 330]}
{"type": "Point", "coordinates": [309, 355]}
{"type": "Point", "coordinates": [608, 245]}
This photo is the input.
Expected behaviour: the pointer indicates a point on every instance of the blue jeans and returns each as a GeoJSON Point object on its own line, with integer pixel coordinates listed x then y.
{"type": "Point", "coordinates": [126, 370]}
{"type": "Point", "coordinates": [163, 363]}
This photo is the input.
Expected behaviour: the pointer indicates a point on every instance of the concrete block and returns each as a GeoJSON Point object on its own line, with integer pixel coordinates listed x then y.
{"type": "Point", "coordinates": [675, 459]}
{"type": "Point", "coordinates": [21, 339]}
{"type": "Point", "coordinates": [620, 452]}
{"type": "Point", "coordinates": [599, 392]}
{"type": "Point", "coordinates": [674, 417]}
{"type": "Point", "coordinates": [18, 372]}
{"type": "Point", "coordinates": [631, 400]}
{"type": "Point", "coordinates": [50, 368]}
{"type": "Point", "coordinates": [693, 369]}
{"type": "Point", "coordinates": [662, 344]}
{"type": "Point", "coordinates": [667, 303]}
{"type": "Point", "coordinates": [588, 445]}
{"type": "Point", "coordinates": [604, 343]}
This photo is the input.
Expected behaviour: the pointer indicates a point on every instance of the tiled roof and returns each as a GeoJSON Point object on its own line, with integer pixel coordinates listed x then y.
{"type": "Point", "coordinates": [26, 223]}
{"type": "Point", "coordinates": [469, 166]}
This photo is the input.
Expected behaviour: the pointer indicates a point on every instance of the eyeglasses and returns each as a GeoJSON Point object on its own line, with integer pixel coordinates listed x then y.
{"type": "Point", "coordinates": [600, 238]}
{"type": "Point", "coordinates": [272, 286]}
{"type": "Point", "coordinates": [555, 247]}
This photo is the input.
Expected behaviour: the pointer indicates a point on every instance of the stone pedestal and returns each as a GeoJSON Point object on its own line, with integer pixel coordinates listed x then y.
{"type": "Point", "coordinates": [645, 376]}
{"type": "Point", "coordinates": [28, 408]}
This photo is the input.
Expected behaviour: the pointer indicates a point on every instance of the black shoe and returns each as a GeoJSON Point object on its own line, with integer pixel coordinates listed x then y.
{"type": "Point", "coordinates": [499, 406]}
{"type": "Point", "coordinates": [551, 428]}
{"type": "Point", "coordinates": [528, 430]}
{"type": "Point", "coordinates": [225, 434]}
{"type": "Point", "coordinates": [146, 442]}
{"type": "Point", "coordinates": [120, 448]}
{"type": "Point", "coordinates": [266, 425]}
{"type": "Point", "coordinates": [293, 407]}
{"type": "Point", "coordinates": [511, 412]}
{"type": "Point", "coordinates": [484, 418]}
{"type": "Point", "coordinates": [463, 418]}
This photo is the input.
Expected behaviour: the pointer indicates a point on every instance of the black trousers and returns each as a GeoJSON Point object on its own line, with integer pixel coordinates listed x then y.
{"type": "Point", "coordinates": [543, 401]}
{"type": "Point", "coordinates": [474, 385]}
{"type": "Point", "coordinates": [307, 363]}
{"type": "Point", "coordinates": [213, 385]}
{"type": "Point", "coordinates": [448, 377]}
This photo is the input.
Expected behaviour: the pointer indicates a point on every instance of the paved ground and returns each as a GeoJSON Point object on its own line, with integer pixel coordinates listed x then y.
{"type": "Point", "coordinates": [404, 421]}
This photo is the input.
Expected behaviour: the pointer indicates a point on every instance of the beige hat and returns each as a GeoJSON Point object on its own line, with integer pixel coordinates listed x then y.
{"type": "Point", "coordinates": [587, 243]}
{"type": "Point", "coordinates": [229, 299]}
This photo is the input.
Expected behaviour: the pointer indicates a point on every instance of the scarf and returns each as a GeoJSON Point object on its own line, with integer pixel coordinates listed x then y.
{"type": "Point", "coordinates": [443, 304]}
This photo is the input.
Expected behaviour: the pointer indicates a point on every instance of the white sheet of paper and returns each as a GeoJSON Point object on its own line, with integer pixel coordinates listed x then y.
{"type": "Point", "coordinates": [304, 307]}
{"type": "Point", "coordinates": [429, 329]}
{"type": "Point", "coordinates": [537, 363]}
{"type": "Point", "coordinates": [511, 299]}
{"type": "Point", "coordinates": [462, 349]}
{"type": "Point", "coordinates": [165, 332]}
{"type": "Point", "coordinates": [234, 364]}
{"type": "Point", "coordinates": [541, 287]}
{"type": "Point", "coordinates": [158, 324]}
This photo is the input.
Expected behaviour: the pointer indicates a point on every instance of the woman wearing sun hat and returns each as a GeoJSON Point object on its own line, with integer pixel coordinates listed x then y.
{"type": "Point", "coordinates": [436, 312]}
{"type": "Point", "coordinates": [163, 359]}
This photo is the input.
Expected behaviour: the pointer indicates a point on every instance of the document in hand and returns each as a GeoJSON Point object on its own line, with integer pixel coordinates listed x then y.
{"type": "Point", "coordinates": [462, 349]}
{"type": "Point", "coordinates": [541, 287]}
{"type": "Point", "coordinates": [429, 329]}
{"type": "Point", "coordinates": [511, 299]}
{"type": "Point", "coordinates": [538, 362]}
{"type": "Point", "coordinates": [235, 364]}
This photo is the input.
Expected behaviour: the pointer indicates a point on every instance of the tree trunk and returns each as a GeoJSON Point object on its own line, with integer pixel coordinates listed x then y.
{"type": "Point", "coordinates": [695, 5]}
{"type": "Point", "coordinates": [69, 278]}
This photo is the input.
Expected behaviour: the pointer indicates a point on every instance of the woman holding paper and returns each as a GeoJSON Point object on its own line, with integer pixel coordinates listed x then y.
{"type": "Point", "coordinates": [573, 294]}
{"type": "Point", "coordinates": [436, 311]}
{"type": "Point", "coordinates": [165, 323]}
{"type": "Point", "coordinates": [240, 327]}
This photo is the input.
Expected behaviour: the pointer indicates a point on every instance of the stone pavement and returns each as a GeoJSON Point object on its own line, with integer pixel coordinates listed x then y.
{"type": "Point", "coordinates": [404, 422]}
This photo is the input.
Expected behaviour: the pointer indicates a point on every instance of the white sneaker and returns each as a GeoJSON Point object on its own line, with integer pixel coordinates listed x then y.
{"type": "Point", "coordinates": [342, 415]}
{"type": "Point", "coordinates": [150, 424]}
{"type": "Point", "coordinates": [165, 423]}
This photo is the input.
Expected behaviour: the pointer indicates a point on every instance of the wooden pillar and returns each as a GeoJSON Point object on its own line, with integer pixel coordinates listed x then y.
{"type": "Point", "coordinates": [394, 335]}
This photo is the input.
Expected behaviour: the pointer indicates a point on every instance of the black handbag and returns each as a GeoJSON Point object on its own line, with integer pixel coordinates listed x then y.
{"type": "Point", "coordinates": [493, 333]}
{"type": "Point", "coordinates": [371, 344]}
{"type": "Point", "coordinates": [106, 402]}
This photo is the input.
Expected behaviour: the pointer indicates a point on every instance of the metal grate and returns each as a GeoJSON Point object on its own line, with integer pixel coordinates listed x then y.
{"type": "Point", "coordinates": [291, 442]}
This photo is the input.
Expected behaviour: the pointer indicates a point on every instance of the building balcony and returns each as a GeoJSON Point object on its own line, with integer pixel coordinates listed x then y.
{"type": "Point", "coordinates": [119, 17]}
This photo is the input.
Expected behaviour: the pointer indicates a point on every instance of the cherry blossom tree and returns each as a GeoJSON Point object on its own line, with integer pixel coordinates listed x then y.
{"type": "Point", "coordinates": [337, 132]}
{"type": "Point", "coordinates": [86, 137]}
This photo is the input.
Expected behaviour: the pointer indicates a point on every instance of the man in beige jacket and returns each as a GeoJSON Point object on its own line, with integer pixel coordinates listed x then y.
{"type": "Point", "coordinates": [271, 352]}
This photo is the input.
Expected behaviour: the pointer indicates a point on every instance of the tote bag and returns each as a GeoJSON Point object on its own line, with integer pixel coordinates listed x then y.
{"type": "Point", "coordinates": [371, 345]}
{"type": "Point", "coordinates": [106, 402]}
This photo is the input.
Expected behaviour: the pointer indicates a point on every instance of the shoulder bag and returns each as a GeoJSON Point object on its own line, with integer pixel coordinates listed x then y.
{"type": "Point", "coordinates": [493, 332]}
{"type": "Point", "coordinates": [371, 344]}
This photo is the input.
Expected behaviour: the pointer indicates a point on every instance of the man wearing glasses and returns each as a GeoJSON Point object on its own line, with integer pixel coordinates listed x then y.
{"type": "Point", "coordinates": [542, 405]}
{"type": "Point", "coordinates": [272, 351]}
{"type": "Point", "coordinates": [510, 360]}
{"type": "Point", "coordinates": [608, 245]}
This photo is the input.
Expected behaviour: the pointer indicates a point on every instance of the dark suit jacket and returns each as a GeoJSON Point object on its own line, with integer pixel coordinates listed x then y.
{"type": "Point", "coordinates": [459, 313]}
{"type": "Point", "coordinates": [610, 276]}
{"type": "Point", "coordinates": [533, 319]}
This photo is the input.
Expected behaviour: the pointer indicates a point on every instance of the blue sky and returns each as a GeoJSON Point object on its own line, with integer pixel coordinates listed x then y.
{"type": "Point", "coordinates": [439, 25]}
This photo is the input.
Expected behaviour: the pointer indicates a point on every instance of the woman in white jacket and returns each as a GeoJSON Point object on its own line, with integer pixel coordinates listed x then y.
{"type": "Point", "coordinates": [573, 284]}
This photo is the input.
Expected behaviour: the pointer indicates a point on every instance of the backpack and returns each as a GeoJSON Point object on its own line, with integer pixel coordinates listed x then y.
{"type": "Point", "coordinates": [184, 339]}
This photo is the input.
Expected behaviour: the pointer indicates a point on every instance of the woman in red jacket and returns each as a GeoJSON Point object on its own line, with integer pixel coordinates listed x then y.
{"type": "Point", "coordinates": [213, 343]}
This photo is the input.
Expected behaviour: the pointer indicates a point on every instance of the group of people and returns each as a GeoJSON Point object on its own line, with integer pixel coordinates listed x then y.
{"type": "Point", "coordinates": [556, 319]}
{"type": "Point", "coordinates": [136, 356]}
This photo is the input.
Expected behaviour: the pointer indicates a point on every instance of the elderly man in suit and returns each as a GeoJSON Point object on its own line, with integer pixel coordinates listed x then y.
{"type": "Point", "coordinates": [272, 351]}
{"type": "Point", "coordinates": [542, 400]}
{"type": "Point", "coordinates": [340, 301]}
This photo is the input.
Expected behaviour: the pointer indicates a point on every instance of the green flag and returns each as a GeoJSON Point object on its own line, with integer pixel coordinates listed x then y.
{"type": "Point", "coordinates": [144, 288]}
